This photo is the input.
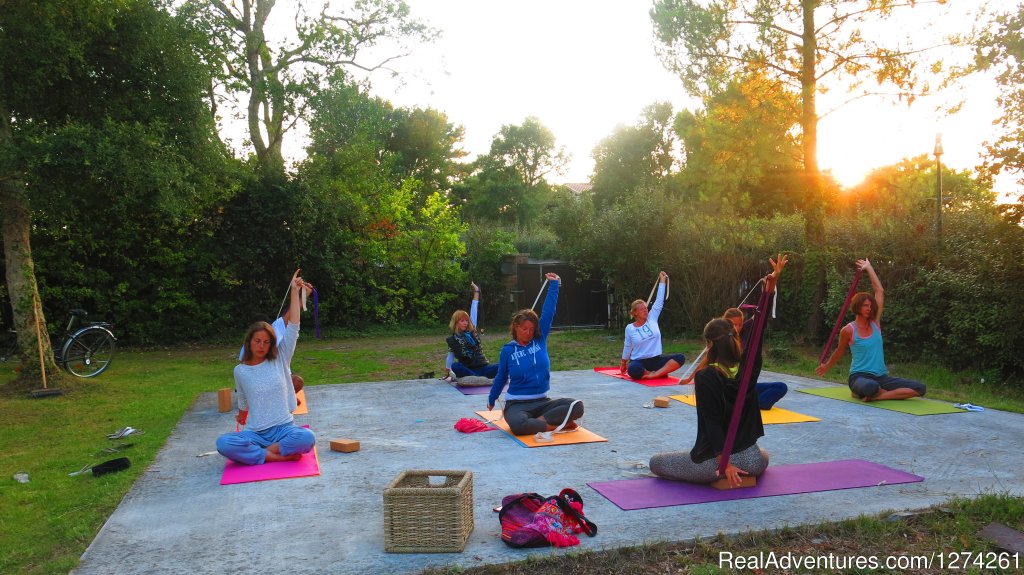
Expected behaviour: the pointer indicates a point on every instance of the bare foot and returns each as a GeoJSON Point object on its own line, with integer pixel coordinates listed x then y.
{"type": "Point", "coordinates": [571, 426]}
{"type": "Point", "coordinates": [271, 456]}
{"type": "Point", "coordinates": [274, 454]}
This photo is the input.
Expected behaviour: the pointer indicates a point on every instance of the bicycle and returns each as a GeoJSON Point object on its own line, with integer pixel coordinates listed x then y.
{"type": "Point", "coordinates": [85, 351]}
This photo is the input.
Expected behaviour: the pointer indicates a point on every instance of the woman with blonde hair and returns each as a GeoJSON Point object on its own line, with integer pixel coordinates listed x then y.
{"type": "Point", "coordinates": [641, 351]}
{"type": "Point", "coordinates": [465, 348]}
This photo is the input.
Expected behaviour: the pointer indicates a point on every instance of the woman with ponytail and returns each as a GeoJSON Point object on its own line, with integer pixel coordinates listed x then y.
{"type": "Point", "coordinates": [717, 387]}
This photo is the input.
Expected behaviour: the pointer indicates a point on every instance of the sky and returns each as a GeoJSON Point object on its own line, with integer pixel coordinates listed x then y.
{"type": "Point", "coordinates": [584, 67]}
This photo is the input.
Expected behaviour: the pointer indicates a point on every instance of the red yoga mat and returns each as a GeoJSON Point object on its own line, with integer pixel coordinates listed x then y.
{"type": "Point", "coordinates": [660, 382]}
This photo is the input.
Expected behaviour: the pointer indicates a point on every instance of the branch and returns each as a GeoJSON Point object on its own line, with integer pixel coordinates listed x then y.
{"type": "Point", "coordinates": [223, 8]}
{"type": "Point", "coordinates": [771, 26]}
{"type": "Point", "coordinates": [842, 18]}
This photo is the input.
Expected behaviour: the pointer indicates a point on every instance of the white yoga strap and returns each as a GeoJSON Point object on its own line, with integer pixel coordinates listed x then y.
{"type": "Point", "coordinates": [548, 436]}
{"type": "Point", "coordinates": [537, 299]}
{"type": "Point", "coordinates": [693, 366]}
{"type": "Point", "coordinates": [650, 297]}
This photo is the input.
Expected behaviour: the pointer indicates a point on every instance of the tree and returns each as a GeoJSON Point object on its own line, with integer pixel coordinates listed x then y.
{"type": "Point", "coordinates": [384, 249]}
{"type": "Point", "coordinates": [509, 183]}
{"type": "Point", "coordinates": [634, 156]}
{"type": "Point", "coordinates": [1000, 49]}
{"type": "Point", "coordinates": [106, 81]}
{"type": "Point", "coordinates": [741, 154]}
{"type": "Point", "coordinates": [708, 44]}
{"type": "Point", "coordinates": [426, 144]}
{"type": "Point", "coordinates": [277, 79]}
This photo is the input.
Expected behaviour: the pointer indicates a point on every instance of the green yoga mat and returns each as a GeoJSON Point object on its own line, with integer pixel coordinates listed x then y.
{"type": "Point", "coordinates": [913, 406]}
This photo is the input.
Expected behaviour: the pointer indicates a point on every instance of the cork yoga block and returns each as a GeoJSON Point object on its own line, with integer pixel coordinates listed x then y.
{"type": "Point", "coordinates": [661, 401]}
{"type": "Point", "coordinates": [344, 445]}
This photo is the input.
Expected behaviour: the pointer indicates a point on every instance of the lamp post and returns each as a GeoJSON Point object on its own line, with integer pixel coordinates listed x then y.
{"type": "Point", "coordinates": [938, 188]}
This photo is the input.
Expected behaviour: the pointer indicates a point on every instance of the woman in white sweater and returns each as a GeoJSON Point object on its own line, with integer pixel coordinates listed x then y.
{"type": "Point", "coordinates": [266, 397]}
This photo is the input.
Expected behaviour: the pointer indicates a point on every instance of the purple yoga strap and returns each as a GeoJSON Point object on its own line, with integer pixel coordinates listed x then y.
{"type": "Point", "coordinates": [749, 356]}
{"type": "Point", "coordinates": [316, 311]}
{"type": "Point", "coordinates": [842, 314]}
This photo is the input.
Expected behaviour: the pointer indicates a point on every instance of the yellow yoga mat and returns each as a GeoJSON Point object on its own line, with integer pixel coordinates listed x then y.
{"type": "Point", "coordinates": [768, 417]}
{"type": "Point", "coordinates": [303, 407]}
{"type": "Point", "coordinates": [581, 435]}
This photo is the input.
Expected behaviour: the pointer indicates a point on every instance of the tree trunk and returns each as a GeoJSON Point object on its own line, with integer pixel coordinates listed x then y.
{"type": "Point", "coordinates": [22, 289]}
{"type": "Point", "coordinates": [814, 208]}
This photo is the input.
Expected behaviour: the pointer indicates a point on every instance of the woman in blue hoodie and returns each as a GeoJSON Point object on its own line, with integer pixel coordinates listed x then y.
{"type": "Point", "coordinates": [525, 366]}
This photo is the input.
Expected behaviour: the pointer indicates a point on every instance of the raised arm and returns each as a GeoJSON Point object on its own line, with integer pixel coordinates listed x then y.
{"type": "Point", "coordinates": [295, 305]}
{"type": "Point", "coordinates": [771, 280]}
{"type": "Point", "coordinates": [474, 307]}
{"type": "Point", "coordinates": [547, 315]}
{"type": "Point", "coordinates": [876, 287]}
{"type": "Point", "coordinates": [659, 300]}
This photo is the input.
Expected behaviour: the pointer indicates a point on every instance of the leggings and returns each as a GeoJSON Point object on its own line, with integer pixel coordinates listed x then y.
{"type": "Point", "coordinates": [868, 385]}
{"type": "Point", "coordinates": [638, 366]}
{"type": "Point", "coordinates": [522, 416]}
{"type": "Point", "coordinates": [678, 465]}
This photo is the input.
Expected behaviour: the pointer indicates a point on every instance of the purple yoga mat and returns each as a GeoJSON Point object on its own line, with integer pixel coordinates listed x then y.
{"type": "Point", "coordinates": [650, 492]}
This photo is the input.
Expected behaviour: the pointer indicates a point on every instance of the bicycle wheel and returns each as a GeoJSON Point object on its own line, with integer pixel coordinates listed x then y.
{"type": "Point", "coordinates": [88, 352]}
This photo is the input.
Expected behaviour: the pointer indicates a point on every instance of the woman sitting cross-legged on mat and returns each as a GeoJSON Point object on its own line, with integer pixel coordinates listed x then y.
{"type": "Point", "coordinates": [465, 350]}
{"type": "Point", "coordinates": [717, 388]}
{"type": "Point", "coordinates": [525, 365]}
{"type": "Point", "coordinates": [641, 351]}
{"type": "Point", "coordinates": [869, 377]}
{"type": "Point", "coordinates": [266, 396]}
{"type": "Point", "coordinates": [768, 393]}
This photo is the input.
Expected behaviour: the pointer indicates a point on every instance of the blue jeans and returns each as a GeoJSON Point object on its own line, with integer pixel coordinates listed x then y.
{"type": "Point", "coordinates": [250, 447]}
{"type": "Point", "coordinates": [489, 371]}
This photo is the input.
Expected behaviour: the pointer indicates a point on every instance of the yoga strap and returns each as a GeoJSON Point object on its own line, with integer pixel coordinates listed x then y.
{"type": "Point", "coordinates": [284, 299]}
{"type": "Point", "coordinates": [693, 366]}
{"type": "Point", "coordinates": [316, 312]}
{"type": "Point", "coordinates": [537, 299]}
{"type": "Point", "coordinates": [650, 297]}
{"type": "Point", "coordinates": [749, 356]}
{"type": "Point", "coordinates": [839, 320]}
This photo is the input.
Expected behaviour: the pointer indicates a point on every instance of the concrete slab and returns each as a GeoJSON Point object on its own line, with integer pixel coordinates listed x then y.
{"type": "Point", "coordinates": [178, 519]}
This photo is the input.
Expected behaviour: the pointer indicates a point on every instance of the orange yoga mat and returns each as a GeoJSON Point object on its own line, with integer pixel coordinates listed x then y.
{"type": "Point", "coordinates": [768, 417]}
{"type": "Point", "coordinates": [579, 436]}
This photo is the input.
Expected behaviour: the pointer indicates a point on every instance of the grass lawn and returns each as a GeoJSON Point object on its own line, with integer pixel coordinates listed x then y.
{"type": "Point", "coordinates": [47, 523]}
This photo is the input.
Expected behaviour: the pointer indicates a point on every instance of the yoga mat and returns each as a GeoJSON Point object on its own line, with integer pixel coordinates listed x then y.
{"type": "Point", "coordinates": [768, 417]}
{"type": "Point", "coordinates": [239, 473]}
{"type": "Point", "coordinates": [471, 390]}
{"type": "Point", "coordinates": [648, 492]}
{"type": "Point", "coordinates": [661, 381]}
{"type": "Point", "coordinates": [580, 436]}
{"type": "Point", "coordinates": [913, 406]}
{"type": "Point", "coordinates": [303, 407]}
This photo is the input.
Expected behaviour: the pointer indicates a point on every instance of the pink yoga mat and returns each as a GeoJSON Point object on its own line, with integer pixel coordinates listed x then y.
{"type": "Point", "coordinates": [648, 492]}
{"type": "Point", "coordinates": [308, 465]}
{"type": "Point", "coordinates": [614, 372]}
{"type": "Point", "coordinates": [238, 473]}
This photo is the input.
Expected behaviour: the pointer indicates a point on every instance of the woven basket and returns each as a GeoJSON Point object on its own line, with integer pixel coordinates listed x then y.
{"type": "Point", "coordinates": [428, 512]}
